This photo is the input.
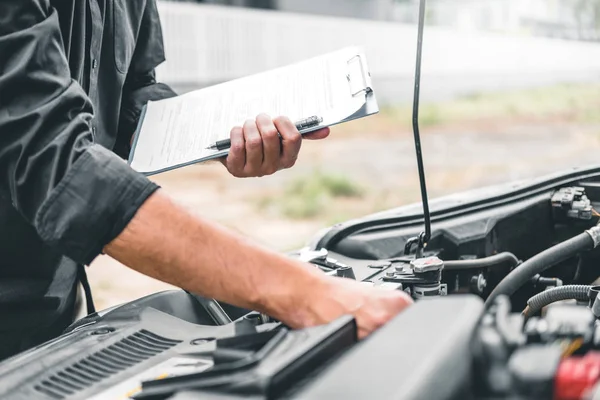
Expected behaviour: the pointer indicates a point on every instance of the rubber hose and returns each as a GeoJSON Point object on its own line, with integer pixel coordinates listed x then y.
{"type": "Point", "coordinates": [487, 262]}
{"type": "Point", "coordinates": [547, 297]}
{"type": "Point", "coordinates": [539, 263]}
{"type": "Point", "coordinates": [502, 323]}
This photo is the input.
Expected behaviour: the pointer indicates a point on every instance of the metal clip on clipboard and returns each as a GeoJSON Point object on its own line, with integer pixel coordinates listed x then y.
{"type": "Point", "coordinates": [359, 81]}
{"type": "Point", "coordinates": [365, 77]}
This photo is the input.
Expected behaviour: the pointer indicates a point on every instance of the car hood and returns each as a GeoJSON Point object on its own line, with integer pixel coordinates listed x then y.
{"type": "Point", "coordinates": [462, 202]}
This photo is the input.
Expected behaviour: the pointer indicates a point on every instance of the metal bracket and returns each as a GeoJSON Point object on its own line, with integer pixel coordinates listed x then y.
{"type": "Point", "coordinates": [366, 88]}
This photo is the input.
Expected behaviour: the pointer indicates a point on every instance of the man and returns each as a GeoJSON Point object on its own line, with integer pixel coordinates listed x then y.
{"type": "Point", "coordinates": [74, 75]}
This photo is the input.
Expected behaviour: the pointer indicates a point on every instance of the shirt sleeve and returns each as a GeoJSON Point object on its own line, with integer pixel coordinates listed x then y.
{"type": "Point", "coordinates": [141, 85]}
{"type": "Point", "coordinates": [78, 195]}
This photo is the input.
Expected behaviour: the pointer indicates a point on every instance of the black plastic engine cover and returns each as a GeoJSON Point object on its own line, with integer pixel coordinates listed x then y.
{"type": "Point", "coordinates": [424, 353]}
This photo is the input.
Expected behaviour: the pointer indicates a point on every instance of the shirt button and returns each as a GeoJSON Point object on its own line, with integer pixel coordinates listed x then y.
{"type": "Point", "coordinates": [94, 63]}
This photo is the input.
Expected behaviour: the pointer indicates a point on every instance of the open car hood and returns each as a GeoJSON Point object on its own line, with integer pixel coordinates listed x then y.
{"type": "Point", "coordinates": [462, 203]}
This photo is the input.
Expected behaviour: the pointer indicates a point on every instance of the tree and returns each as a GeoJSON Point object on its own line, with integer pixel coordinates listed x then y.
{"type": "Point", "coordinates": [587, 16]}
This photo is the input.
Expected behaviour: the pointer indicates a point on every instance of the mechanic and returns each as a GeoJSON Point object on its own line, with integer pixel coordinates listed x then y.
{"type": "Point", "coordinates": [74, 75]}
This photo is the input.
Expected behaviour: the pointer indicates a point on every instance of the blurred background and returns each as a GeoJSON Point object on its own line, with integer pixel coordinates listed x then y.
{"type": "Point", "coordinates": [510, 91]}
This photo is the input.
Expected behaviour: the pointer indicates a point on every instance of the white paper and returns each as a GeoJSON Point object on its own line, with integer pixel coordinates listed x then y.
{"type": "Point", "coordinates": [177, 131]}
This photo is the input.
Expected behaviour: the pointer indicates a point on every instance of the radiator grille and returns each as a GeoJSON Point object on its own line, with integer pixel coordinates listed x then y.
{"type": "Point", "coordinates": [115, 358]}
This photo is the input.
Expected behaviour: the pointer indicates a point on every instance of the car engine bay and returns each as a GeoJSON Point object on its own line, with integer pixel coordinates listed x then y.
{"type": "Point", "coordinates": [473, 333]}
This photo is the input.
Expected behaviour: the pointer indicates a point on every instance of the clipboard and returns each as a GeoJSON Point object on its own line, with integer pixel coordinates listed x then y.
{"type": "Point", "coordinates": [359, 86]}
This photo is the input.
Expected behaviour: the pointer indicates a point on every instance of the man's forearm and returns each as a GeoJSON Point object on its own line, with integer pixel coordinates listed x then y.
{"type": "Point", "coordinates": [168, 243]}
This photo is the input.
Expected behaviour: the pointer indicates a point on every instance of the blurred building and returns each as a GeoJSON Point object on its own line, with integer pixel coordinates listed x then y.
{"type": "Point", "coordinates": [208, 44]}
{"type": "Point", "coordinates": [566, 19]}
{"type": "Point", "coordinates": [367, 9]}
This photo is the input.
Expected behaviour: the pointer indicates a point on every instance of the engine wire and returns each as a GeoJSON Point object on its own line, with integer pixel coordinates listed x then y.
{"type": "Point", "coordinates": [572, 347]}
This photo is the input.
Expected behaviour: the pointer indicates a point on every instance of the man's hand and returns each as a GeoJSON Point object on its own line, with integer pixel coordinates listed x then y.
{"type": "Point", "coordinates": [371, 307]}
{"type": "Point", "coordinates": [265, 145]}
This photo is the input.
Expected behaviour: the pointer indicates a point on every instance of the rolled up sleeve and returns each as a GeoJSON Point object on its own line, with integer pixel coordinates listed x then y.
{"type": "Point", "coordinates": [78, 195]}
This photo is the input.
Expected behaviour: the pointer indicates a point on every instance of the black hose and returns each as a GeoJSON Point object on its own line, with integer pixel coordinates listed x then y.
{"type": "Point", "coordinates": [487, 262]}
{"type": "Point", "coordinates": [577, 274]}
{"type": "Point", "coordinates": [503, 308]}
{"type": "Point", "coordinates": [541, 262]}
{"type": "Point", "coordinates": [547, 297]}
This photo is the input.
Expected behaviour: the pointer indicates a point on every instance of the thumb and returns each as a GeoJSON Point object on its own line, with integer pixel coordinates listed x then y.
{"type": "Point", "coordinates": [316, 135]}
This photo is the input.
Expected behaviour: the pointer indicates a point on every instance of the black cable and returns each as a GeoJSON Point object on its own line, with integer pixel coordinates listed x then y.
{"type": "Point", "coordinates": [578, 270]}
{"type": "Point", "coordinates": [547, 297]}
{"type": "Point", "coordinates": [541, 262]}
{"type": "Point", "coordinates": [87, 289]}
{"type": "Point", "coordinates": [409, 244]}
{"type": "Point", "coordinates": [501, 259]}
{"type": "Point", "coordinates": [415, 121]}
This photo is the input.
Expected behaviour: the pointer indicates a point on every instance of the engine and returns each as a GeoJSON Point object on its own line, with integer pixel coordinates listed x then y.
{"type": "Point", "coordinates": [505, 308]}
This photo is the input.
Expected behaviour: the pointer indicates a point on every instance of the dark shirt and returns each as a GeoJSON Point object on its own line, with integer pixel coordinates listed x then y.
{"type": "Point", "coordinates": [74, 76]}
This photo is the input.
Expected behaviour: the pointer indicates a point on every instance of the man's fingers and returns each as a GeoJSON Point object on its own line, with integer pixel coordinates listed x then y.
{"type": "Point", "coordinates": [291, 141]}
{"type": "Point", "coordinates": [380, 310]}
{"type": "Point", "coordinates": [264, 146]}
{"type": "Point", "coordinates": [254, 148]}
{"type": "Point", "coordinates": [317, 135]}
{"type": "Point", "coordinates": [236, 160]}
{"type": "Point", "coordinates": [271, 144]}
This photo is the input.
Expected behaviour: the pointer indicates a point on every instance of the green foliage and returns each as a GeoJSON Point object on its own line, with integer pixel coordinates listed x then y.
{"type": "Point", "coordinates": [310, 206]}
{"type": "Point", "coordinates": [339, 185]}
{"type": "Point", "coordinates": [430, 116]}
{"type": "Point", "coordinates": [577, 103]}
{"type": "Point", "coordinates": [312, 195]}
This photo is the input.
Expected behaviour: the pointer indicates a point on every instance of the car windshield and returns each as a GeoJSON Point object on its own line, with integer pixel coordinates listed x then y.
{"type": "Point", "coordinates": [510, 90]}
